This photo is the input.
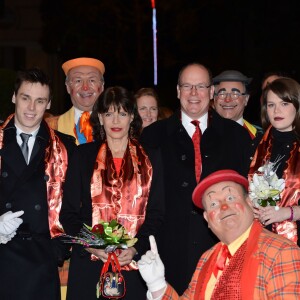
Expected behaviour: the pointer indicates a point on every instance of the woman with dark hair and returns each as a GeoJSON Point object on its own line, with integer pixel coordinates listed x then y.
{"type": "Point", "coordinates": [112, 178]}
{"type": "Point", "coordinates": [280, 145]}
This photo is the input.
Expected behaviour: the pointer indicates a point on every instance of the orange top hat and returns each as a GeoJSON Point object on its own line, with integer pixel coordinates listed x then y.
{"type": "Point", "coordinates": [83, 61]}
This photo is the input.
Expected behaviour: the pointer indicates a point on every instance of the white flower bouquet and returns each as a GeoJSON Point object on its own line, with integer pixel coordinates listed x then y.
{"type": "Point", "coordinates": [265, 187]}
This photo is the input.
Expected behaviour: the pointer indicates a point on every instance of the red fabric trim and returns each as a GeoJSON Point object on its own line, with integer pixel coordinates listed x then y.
{"type": "Point", "coordinates": [250, 268]}
{"type": "Point", "coordinates": [123, 197]}
{"type": "Point", "coordinates": [291, 193]}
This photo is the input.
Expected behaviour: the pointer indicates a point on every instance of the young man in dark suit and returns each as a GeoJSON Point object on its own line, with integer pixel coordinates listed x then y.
{"type": "Point", "coordinates": [34, 161]}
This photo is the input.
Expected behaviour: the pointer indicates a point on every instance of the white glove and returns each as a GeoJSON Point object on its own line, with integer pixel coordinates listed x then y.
{"type": "Point", "coordinates": [9, 222]}
{"type": "Point", "coordinates": [152, 268]}
{"type": "Point", "coordinates": [6, 238]}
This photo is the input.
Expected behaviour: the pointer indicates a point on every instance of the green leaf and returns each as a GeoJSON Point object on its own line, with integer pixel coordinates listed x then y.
{"type": "Point", "coordinates": [113, 223]}
{"type": "Point", "coordinates": [272, 202]}
{"type": "Point", "coordinates": [263, 202]}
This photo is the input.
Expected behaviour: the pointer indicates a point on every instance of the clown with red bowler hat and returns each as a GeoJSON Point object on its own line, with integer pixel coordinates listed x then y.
{"type": "Point", "coordinates": [249, 262]}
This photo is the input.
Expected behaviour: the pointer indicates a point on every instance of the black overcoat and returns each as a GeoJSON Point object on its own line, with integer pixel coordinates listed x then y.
{"type": "Point", "coordinates": [185, 235]}
{"type": "Point", "coordinates": [77, 209]}
{"type": "Point", "coordinates": [29, 262]}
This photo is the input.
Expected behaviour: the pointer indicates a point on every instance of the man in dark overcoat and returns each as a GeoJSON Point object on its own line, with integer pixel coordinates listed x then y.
{"type": "Point", "coordinates": [224, 145]}
{"type": "Point", "coordinates": [31, 180]}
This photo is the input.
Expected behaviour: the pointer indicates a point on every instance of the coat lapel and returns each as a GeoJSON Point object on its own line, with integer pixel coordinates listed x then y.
{"type": "Point", "coordinates": [12, 155]}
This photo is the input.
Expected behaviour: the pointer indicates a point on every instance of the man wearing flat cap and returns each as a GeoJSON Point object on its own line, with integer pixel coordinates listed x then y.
{"type": "Point", "coordinates": [248, 263]}
{"type": "Point", "coordinates": [84, 82]}
{"type": "Point", "coordinates": [230, 100]}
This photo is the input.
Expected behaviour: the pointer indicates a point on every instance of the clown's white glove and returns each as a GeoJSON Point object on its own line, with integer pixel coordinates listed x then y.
{"type": "Point", "coordinates": [152, 269]}
{"type": "Point", "coordinates": [9, 222]}
{"type": "Point", "coordinates": [4, 238]}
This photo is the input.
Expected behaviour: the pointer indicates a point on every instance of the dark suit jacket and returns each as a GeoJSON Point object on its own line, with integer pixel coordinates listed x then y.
{"type": "Point", "coordinates": [185, 235]}
{"type": "Point", "coordinates": [77, 209]}
{"type": "Point", "coordinates": [29, 261]}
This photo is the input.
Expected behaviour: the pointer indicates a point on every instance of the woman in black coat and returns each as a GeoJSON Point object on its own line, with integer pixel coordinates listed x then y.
{"type": "Point", "coordinates": [112, 178]}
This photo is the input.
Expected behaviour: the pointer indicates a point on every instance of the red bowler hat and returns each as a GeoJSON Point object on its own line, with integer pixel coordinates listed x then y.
{"type": "Point", "coordinates": [216, 177]}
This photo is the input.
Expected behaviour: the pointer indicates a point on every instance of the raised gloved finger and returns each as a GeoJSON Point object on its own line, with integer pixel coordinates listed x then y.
{"type": "Point", "coordinates": [153, 245]}
{"type": "Point", "coordinates": [13, 215]}
{"type": "Point", "coordinates": [16, 222]}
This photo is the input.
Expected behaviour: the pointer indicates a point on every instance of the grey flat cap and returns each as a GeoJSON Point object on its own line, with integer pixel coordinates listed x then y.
{"type": "Point", "coordinates": [231, 75]}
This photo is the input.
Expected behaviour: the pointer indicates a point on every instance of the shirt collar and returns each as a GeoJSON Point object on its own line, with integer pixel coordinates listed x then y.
{"type": "Point", "coordinates": [186, 121]}
{"type": "Point", "coordinates": [240, 121]}
{"type": "Point", "coordinates": [78, 114]}
{"type": "Point", "coordinates": [236, 244]}
{"type": "Point", "coordinates": [34, 133]}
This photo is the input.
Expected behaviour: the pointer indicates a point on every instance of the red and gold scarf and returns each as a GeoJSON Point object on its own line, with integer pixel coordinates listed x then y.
{"type": "Point", "coordinates": [291, 193]}
{"type": "Point", "coordinates": [56, 162]}
{"type": "Point", "coordinates": [123, 197]}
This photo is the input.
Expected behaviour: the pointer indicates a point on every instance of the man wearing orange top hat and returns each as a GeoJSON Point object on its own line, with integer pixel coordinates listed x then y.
{"type": "Point", "coordinates": [84, 82]}
{"type": "Point", "coordinates": [248, 263]}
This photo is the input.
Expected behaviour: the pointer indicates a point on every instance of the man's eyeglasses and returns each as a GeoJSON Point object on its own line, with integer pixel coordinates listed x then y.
{"type": "Point", "coordinates": [233, 95]}
{"type": "Point", "coordinates": [188, 87]}
{"type": "Point", "coordinates": [92, 82]}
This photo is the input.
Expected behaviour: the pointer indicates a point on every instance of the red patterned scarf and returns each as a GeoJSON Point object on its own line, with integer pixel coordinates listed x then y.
{"type": "Point", "coordinates": [123, 197]}
{"type": "Point", "coordinates": [291, 193]}
{"type": "Point", "coordinates": [56, 162]}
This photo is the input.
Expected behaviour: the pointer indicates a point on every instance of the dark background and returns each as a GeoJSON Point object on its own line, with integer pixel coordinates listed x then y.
{"type": "Point", "coordinates": [253, 37]}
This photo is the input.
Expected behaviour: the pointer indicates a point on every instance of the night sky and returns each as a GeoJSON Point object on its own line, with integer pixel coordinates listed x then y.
{"type": "Point", "coordinates": [253, 37]}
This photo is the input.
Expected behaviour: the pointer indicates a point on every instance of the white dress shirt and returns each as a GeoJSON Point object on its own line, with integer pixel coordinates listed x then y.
{"type": "Point", "coordinates": [189, 127]}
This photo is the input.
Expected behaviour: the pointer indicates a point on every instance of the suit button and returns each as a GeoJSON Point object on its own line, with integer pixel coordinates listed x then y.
{"type": "Point", "coordinates": [184, 184]}
{"type": "Point", "coordinates": [183, 157]}
{"type": "Point", "coordinates": [4, 174]}
{"type": "Point", "coordinates": [37, 207]}
{"type": "Point", "coordinates": [8, 205]}
{"type": "Point", "coordinates": [195, 243]}
{"type": "Point", "coordinates": [193, 212]}
{"type": "Point", "coordinates": [46, 177]}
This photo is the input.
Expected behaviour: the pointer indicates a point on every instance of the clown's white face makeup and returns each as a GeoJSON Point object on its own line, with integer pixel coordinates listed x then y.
{"type": "Point", "coordinates": [84, 84]}
{"type": "Point", "coordinates": [227, 210]}
{"type": "Point", "coordinates": [231, 108]}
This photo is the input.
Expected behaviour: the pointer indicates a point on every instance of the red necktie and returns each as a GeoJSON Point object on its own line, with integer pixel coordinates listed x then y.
{"type": "Point", "coordinates": [196, 141]}
{"type": "Point", "coordinates": [85, 126]}
{"type": "Point", "coordinates": [220, 264]}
